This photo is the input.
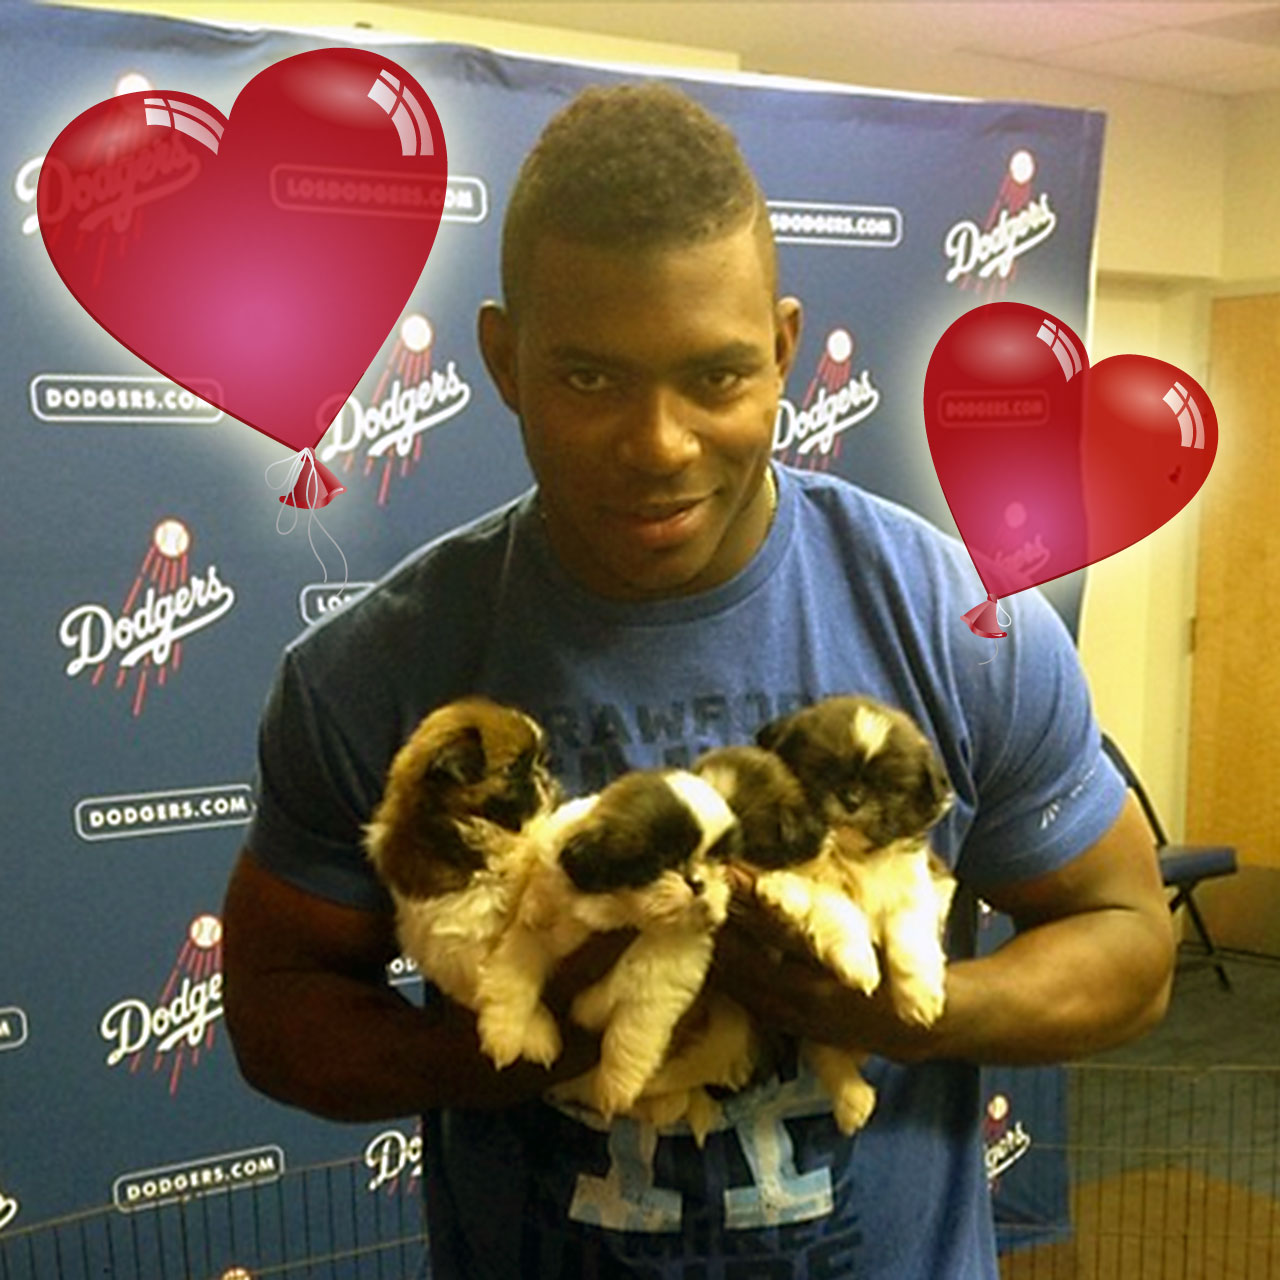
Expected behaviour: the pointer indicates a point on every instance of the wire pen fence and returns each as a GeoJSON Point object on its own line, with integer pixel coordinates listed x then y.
{"type": "Point", "coordinates": [1161, 1173]}
{"type": "Point", "coordinates": [1171, 1174]}
{"type": "Point", "coordinates": [322, 1222]}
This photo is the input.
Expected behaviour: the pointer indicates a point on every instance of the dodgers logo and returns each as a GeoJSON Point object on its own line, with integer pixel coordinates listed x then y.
{"type": "Point", "coordinates": [177, 1028]}
{"type": "Point", "coordinates": [168, 601]}
{"type": "Point", "coordinates": [391, 1156]}
{"type": "Point", "coordinates": [984, 257]}
{"type": "Point", "coordinates": [413, 396]}
{"type": "Point", "coordinates": [836, 400]}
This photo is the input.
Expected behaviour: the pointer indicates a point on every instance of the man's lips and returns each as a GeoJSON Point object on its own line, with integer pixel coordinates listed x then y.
{"type": "Point", "coordinates": [659, 524]}
{"type": "Point", "coordinates": [658, 511]}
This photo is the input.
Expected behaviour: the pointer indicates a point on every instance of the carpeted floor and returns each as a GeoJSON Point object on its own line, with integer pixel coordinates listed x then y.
{"type": "Point", "coordinates": [1207, 1026]}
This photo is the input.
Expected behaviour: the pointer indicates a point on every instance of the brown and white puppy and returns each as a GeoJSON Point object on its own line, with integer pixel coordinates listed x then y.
{"type": "Point", "coordinates": [446, 837]}
{"type": "Point", "coordinates": [720, 1045]}
{"type": "Point", "coordinates": [781, 826]}
{"type": "Point", "coordinates": [646, 853]}
{"type": "Point", "coordinates": [875, 780]}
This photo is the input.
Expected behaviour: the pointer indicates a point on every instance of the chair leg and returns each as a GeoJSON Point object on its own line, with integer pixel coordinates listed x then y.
{"type": "Point", "coordinates": [1198, 920]}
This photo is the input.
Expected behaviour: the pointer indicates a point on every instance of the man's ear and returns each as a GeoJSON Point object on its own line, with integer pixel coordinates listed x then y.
{"type": "Point", "coordinates": [788, 322]}
{"type": "Point", "coordinates": [496, 336]}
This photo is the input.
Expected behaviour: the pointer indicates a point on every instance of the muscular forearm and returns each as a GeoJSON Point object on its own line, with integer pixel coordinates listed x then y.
{"type": "Point", "coordinates": [1090, 967]}
{"type": "Point", "coordinates": [315, 1025]}
{"type": "Point", "coordinates": [1059, 991]}
{"type": "Point", "coordinates": [352, 1051]}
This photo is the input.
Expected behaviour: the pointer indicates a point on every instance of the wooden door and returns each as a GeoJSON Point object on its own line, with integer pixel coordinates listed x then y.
{"type": "Point", "coordinates": [1233, 791]}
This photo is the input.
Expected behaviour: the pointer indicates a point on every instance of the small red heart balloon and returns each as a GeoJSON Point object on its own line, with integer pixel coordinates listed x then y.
{"type": "Point", "coordinates": [1047, 464]}
{"type": "Point", "coordinates": [261, 260]}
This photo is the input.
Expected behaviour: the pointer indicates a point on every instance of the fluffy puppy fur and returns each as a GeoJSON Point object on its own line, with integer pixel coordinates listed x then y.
{"type": "Point", "coordinates": [645, 853]}
{"type": "Point", "coordinates": [723, 1047]}
{"type": "Point", "coordinates": [446, 836]}
{"type": "Point", "coordinates": [874, 779]}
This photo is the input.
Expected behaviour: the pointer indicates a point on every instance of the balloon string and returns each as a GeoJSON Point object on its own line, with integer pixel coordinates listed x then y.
{"type": "Point", "coordinates": [311, 516]}
{"type": "Point", "coordinates": [1006, 621]}
{"type": "Point", "coordinates": [296, 463]}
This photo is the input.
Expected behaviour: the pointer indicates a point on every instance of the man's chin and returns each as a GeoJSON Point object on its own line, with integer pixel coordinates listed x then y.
{"type": "Point", "coordinates": [658, 575]}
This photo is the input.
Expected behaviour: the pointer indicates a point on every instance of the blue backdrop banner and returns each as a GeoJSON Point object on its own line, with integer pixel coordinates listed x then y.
{"type": "Point", "coordinates": [148, 593]}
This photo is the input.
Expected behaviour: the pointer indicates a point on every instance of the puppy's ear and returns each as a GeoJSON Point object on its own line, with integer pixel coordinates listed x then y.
{"type": "Point", "coordinates": [461, 759]}
{"type": "Point", "coordinates": [586, 860]}
{"type": "Point", "coordinates": [727, 847]}
{"type": "Point", "coordinates": [600, 860]}
{"type": "Point", "coordinates": [768, 735]}
{"type": "Point", "coordinates": [802, 832]}
{"type": "Point", "coordinates": [935, 787]}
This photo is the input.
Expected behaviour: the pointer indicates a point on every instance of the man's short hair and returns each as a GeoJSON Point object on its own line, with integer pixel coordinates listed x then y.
{"type": "Point", "coordinates": [632, 167]}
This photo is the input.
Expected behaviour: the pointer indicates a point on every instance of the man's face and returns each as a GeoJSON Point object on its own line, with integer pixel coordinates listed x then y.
{"type": "Point", "coordinates": [647, 386]}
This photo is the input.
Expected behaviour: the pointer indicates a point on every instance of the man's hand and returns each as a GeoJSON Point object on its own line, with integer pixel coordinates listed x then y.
{"type": "Point", "coordinates": [768, 968]}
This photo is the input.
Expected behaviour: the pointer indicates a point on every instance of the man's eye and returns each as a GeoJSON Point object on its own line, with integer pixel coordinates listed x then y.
{"type": "Point", "coordinates": [587, 380]}
{"type": "Point", "coordinates": [721, 379]}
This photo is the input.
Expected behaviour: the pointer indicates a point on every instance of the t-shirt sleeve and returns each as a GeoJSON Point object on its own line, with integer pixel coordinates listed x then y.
{"type": "Point", "coordinates": [313, 798]}
{"type": "Point", "coordinates": [1046, 790]}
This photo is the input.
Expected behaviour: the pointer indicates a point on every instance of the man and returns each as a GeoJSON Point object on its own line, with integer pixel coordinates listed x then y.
{"type": "Point", "coordinates": [662, 590]}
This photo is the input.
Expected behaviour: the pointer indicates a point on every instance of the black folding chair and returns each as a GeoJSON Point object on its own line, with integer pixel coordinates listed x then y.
{"type": "Point", "coordinates": [1182, 866]}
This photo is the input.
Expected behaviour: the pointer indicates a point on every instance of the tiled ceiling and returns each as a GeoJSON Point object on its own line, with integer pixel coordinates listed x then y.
{"type": "Point", "coordinates": [1221, 48]}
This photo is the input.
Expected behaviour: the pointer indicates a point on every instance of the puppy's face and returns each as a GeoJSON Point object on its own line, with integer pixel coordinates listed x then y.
{"type": "Point", "coordinates": [780, 827]}
{"type": "Point", "coordinates": [863, 765]}
{"type": "Point", "coordinates": [647, 823]}
{"type": "Point", "coordinates": [468, 760]}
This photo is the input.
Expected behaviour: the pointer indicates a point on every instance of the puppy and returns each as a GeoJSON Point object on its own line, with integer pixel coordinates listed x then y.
{"type": "Point", "coordinates": [646, 853]}
{"type": "Point", "coordinates": [446, 836]}
{"type": "Point", "coordinates": [874, 780]}
{"type": "Point", "coordinates": [722, 1046]}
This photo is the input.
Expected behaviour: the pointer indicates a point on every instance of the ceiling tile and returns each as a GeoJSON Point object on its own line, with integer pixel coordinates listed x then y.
{"type": "Point", "coordinates": [1017, 30]}
{"type": "Point", "coordinates": [1167, 15]}
{"type": "Point", "coordinates": [1159, 55]}
{"type": "Point", "coordinates": [1259, 27]}
{"type": "Point", "coordinates": [1258, 77]}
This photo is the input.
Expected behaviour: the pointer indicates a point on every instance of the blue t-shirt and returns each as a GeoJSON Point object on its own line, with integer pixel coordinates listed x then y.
{"type": "Point", "coordinates": [849, 593]}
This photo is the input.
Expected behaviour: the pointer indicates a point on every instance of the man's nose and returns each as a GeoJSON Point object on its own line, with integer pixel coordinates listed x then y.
{"type": "Point", "coordinates": [657, 436]}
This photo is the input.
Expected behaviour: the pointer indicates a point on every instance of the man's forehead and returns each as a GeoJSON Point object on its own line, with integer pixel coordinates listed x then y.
{"type": "Point", "coordinates": [581, 294]}
{"type": "Point", "coordinates": [550, 251]}
{"type": "Point", "coordinates": [735, 351]}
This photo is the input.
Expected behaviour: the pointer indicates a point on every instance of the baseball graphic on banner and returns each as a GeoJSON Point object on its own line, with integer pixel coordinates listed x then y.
{"type": "Point", "coordinates": [1049, 464]}
{"type": "Point", "coordinates": [259, 260]}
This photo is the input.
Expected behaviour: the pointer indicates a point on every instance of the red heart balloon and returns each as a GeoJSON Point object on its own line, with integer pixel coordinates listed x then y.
{"type": "Point", "coordinates": [1049, 465]}
{"type": "Point", "coordinates": [259, 261]}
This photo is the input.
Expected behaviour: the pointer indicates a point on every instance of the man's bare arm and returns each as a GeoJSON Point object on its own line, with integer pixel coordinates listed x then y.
{"type": "Point", "coordinates": [315, 1024]}
{"type": "Point", "coordinates": [1090, 967]}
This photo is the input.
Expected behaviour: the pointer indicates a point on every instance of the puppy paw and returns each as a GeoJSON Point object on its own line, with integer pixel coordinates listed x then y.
{"type": "Point", "coordinates": [855, 965]}
{"type": "Point", "coordinates": [919, 1001]}
{"type": "Point", "coordinates": [737, 1073]}
{"type": "Point", "coordinates": [661, 1110]}
{"type": "Point", "coordinates": [500, 1037]}
{"type": "Point", "coordinates": [615, 1093]}
{"type": "Point", "coordinates": [702, 1115]}
{"type": "Point", "coordinates": [666, 900]}
{"type": "Point", "coordinates": [854, 1104]}
{"type": "Point", "coordinates": [541, 1043]}
{"type": "Point", "coordinates": [785, 894]}
{"type": "Point", "coordinates": [594, 1007]}
{"type": "Point", "coordinates": [504, 1038]}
